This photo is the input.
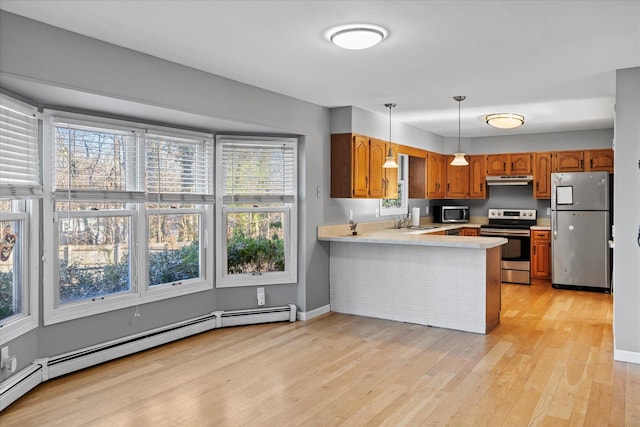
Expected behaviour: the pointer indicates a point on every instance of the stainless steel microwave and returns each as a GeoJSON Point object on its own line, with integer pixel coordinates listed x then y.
{"type": "Point", "coordinates": [445, 214]}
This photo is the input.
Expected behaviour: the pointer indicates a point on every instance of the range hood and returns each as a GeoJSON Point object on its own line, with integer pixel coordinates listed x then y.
{"type": "Point", "coordinates": [510, 180]}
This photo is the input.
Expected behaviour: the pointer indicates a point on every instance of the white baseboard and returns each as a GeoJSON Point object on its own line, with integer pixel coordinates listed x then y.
{"type": "Point", "coordinates": [308, 315]}
{"type": "Point", "coordinates": [626, 356]}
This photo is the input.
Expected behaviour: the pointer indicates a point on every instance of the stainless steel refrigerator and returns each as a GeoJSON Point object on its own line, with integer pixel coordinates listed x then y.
{"type": "Point", "coordinates": [580, 230]}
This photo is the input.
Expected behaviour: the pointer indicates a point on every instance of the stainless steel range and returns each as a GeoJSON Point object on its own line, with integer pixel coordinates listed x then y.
{"type": "Point", "coordinates": [514, 225]}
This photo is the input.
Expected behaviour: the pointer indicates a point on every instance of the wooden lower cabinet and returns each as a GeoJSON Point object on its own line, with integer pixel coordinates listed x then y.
{"type": "Point", "coordinates": [470, 231]}
{"type": "Point", "coordinates": [541, 254]}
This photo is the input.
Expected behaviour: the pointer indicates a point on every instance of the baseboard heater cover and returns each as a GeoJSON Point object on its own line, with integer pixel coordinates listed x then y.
{"type": "Point", "coordinates": [19, 384]}
{"type": "Point", "coordinates": [43, 369]}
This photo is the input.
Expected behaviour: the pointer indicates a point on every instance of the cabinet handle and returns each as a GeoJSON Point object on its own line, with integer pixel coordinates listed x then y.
{"type": "Point", "coordinates": [537, 186]}
{"type": "Point", "coordinates": [535, 250]}
{"type": "Point", "coordinates": [366, 181]}
{"type": "Point", "coordinates": [512, 166]}
{"type": "Point", "coordinates": [481, 186]}
{"type": "Point", "coordinates": [504, 166]}
{"type": "Point", "coordinates": [591, 163]}
{"type": "Point", "coordinates": [448, 186]}
{"type": "Point", "coordinates": [581, 164]}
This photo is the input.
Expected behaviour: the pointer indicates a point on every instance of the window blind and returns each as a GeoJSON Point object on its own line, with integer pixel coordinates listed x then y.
{"type": "Point", "coordinates": [178, 169]}
{"type": "Point", "coordinates": [96, 164]}
{"type": "Point", "coordinates": [258, 172]}
{"type": "Point", "coordinates": [19, 150]}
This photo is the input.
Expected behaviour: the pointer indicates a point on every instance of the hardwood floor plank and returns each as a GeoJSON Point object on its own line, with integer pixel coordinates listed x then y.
{"type": "Point", "coordinates": [549, 363]}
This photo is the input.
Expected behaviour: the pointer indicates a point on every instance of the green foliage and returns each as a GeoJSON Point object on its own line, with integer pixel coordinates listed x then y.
{"type": "Point", "coordinates": [173, 266]}
{"type": "Point", "coordinates": [6, 295]}
{"type": "Point", "coordinates": [78, 282]}
{"type": "Point", "coordinates": [250, 255]}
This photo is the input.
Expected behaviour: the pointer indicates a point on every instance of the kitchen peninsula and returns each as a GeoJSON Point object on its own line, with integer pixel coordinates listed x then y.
{"type": "Point", "coordinates": [415, 276]}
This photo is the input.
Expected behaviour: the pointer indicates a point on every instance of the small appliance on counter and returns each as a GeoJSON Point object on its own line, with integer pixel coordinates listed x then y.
{"type": "Point", "coordinates": [581, 230]}
{"type": "Point", "coordinates": [450, 214]}
{"type": "Point", "coordinates": [514, 225]}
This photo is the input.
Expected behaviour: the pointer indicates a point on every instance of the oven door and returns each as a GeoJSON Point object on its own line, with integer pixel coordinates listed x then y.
{"type": "Point", "coordinates": [516, 254]}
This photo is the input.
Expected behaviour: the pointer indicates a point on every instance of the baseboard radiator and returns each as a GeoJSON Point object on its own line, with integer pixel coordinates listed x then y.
{"type": "Point", "coordinates": [43, 369]}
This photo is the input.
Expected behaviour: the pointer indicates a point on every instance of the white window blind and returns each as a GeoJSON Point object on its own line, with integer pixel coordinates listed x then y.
{"type": "Point", "coordinates": [19, 152]}
{"type": "Point", "coordinates": [96, 164]}
{"type": "Point", "coordinates": [258, 172]}
{"type": "Point", "coordinates": [179, 169]}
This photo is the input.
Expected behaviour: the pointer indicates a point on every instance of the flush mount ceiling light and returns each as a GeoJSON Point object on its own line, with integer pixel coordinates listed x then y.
{"type": "Point", "coordinates": [357, 36]}
{"type": "Point", "coordinates": [504, 120]}
{"type": "Point", "coordinates": [459, 159]}
{"type": "Point", "coordinates": [390, 161]}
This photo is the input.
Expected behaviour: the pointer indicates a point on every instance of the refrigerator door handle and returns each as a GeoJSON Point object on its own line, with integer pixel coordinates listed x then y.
{"type": "Point", "coordinates": [554, 225]}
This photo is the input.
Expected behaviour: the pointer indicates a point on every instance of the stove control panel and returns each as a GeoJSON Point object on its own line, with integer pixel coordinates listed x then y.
{"type": "Point", "coordinates": [526, 214]}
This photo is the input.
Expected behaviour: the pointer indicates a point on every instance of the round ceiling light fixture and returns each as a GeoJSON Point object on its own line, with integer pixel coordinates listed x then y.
{"type": "Point", "coordinates": [357, 36]}
{"type": "Point", "coordinates": [504, 120]}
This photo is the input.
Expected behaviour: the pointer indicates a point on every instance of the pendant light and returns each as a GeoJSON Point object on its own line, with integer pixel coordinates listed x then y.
{"type": "Point", "coordinates": [390, 161]}
{"type": "Point", "coordinates": [459, 159]}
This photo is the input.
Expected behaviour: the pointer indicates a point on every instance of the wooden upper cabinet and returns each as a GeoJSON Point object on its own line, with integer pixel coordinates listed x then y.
{"type": "Point", "coordinates": [391, 174]}
{"type": "Point", "coordinates": [477, 177]}
{"type": "Point", "coordinates": [436, 175]}
{"type": "Point", "coordinates": [521, 163]}
{"type": "Point", "coordinates": [599, 160]}
{"type": "Point", "coordinates": [509, 164]}
{"type": "Point", "coordinates": [457, 180]}
{"type": "Point", "coordinates": [542, 168]}
{"type": "Point", "coordinates": [497, 164]}
{"type": "Point", "coordinates": [377, 155]}
{"type": "Point", "coordinates": [360, 166]}
{"type": "Point", "coordinates": [569, 161]}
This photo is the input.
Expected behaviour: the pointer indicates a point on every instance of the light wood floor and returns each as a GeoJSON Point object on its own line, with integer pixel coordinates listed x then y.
{"type": "Point", "coordinates": [549, 363]}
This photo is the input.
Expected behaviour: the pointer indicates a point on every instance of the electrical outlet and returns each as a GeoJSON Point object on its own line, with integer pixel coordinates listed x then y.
{"type": "Point", "coordinates": [377, 212]}
{"type": "Point", "coordinates": [426, 210]}
{"type": "Point", "coordinates": [350, 214]}
{"type": "Point", "coordinates": [548, 211]}
{"type": "Point", "coordinates": [261, 298]}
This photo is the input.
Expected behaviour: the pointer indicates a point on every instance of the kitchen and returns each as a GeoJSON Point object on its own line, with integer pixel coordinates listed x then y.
{"type": "Point", "coordinates": [530, 185]}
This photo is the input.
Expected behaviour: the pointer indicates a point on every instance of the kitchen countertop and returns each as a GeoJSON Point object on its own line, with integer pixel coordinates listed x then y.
{"type": "Point", "coordinates": [541, 227]}
{"type": "Point", "coordinates": [409, 236]}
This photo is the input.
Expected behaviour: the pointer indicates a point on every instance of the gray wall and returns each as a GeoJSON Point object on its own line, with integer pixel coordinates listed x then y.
{"type": "Point", "coordinates": [626, 205]}
{"type": "Point", "coordinates": [41, 59]}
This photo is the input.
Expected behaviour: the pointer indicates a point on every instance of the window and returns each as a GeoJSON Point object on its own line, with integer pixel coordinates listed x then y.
{"type": "Point", "coordinates": [131, 209]}
{"type": "Point", "coordinates": [20, 192]}
{"type": "Point", "coordinates": [398, 206]}
{"type": "Point", "coordinates": [180, 186]}
{"type": "Point", "coordinates": [256, 225]}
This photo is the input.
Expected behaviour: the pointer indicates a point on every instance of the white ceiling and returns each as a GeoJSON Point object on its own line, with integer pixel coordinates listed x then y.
{"type": "Point", "coordinates": [552, 61]}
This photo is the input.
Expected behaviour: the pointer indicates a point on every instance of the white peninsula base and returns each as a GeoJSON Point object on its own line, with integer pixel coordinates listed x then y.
{"type": "Point", "coordinates": [448, 287]}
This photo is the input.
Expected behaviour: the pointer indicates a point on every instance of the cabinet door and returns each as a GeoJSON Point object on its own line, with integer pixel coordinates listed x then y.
{"type": "Point", "coordinates": [599, 160]}
{"type": "Point", "coordinates": [477, 175]}
{"type": "Point", "coordinates": [434, 173]}
{"type": "Point", "coordinates": [541, 254]}
{"type": "Point", "coordinates": [360, 166]}
{"type": "Point", "coordinates": [457, 180]}
{"type": "Point", "coordinates": [520, 164]}
{"type": "Point", "coordinates": [377, 156]}
{"type": "Point", "coordinates": [542, 176]}
{"type": "Point", "coordinates": [391, 175]}
{"type": "Point", "coordinates": [469, 232]}
{"type": "Point", "coordinates": [497, 164]}
{"type": "Point", "coordinates": [569, 161]}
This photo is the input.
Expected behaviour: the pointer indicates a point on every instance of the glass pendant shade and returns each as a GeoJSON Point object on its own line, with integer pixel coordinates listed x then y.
{"type": "Point", "coordinates": [390, 161]}
{"type": "Point", "coordinates": [459, 160]}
